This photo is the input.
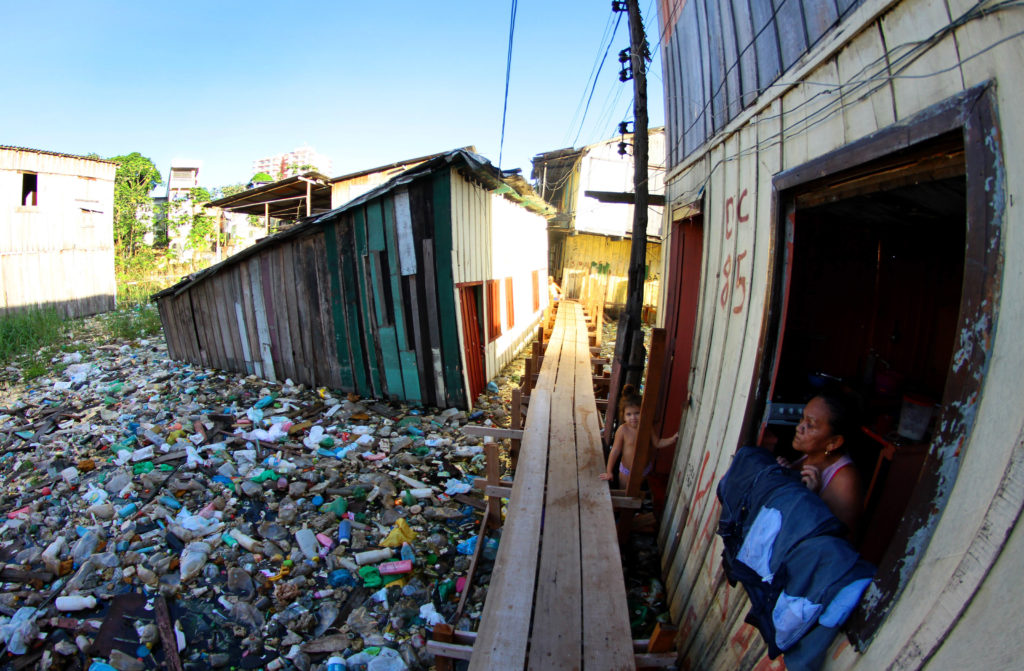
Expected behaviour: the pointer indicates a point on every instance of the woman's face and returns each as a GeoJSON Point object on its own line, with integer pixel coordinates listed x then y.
{"type": "Point", "coordinates": [814, 432]}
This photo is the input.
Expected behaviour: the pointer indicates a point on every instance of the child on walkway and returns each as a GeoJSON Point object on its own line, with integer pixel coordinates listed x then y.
{"type": "Point", "coordinates": [625, 435]}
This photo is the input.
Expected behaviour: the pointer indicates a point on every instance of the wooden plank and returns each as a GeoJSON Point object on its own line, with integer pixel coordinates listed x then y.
{"type": "Point", "coordinates": [350, 304]}
{"type": "Point", "coordinates": [266, 353]}
{"type": "Point", "coordinates": [327, 353]}
{"type": "Point", "coordinates": [249, 315]}
{"type": "Point", "coordinates": [454, 392]}
{"type": "Point", "coordinates": [430, 287]}
{"type": "Point", "coordinates": [606, 630]}
{"type": "Point", "coordinates": [407, 356]}
{"type": "Point", "coordinates": [307, 304]}
{"type": "Point", "coordinates": [368, 323]}
{"type": "Point", "coordinates": [403, 229]}
{"type": "Point", "coordinates": [341, 345]}
{"type": "Point", "coordinates": [505, 623]}
{"type": "Point", "coordinates": [492, 431]}
{"type": "Point", "coordinates": [557, 618]}
{"type": "Point", "coordinates": [284, 310]}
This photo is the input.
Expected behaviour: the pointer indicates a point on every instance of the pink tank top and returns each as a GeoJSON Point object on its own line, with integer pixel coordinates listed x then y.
{"type": "Point", "coordinates": [829, 471]}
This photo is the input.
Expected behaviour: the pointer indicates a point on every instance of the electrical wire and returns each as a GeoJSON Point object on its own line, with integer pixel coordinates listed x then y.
{"type": "Point", "coordinates": [618, 20]}
{"type": "Point", "coordinates": [606, 35]}
{"type": "Point", "coordinates": [508, 76]}
{"type": "Point", "coordinates": [913, 50]}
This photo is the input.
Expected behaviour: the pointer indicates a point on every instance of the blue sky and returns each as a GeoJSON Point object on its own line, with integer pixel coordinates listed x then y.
{"type": "Point", "coordinates": [366, 83]}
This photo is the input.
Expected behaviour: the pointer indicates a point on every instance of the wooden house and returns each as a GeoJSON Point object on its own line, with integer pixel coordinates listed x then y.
{"type": "Point", "coordinates": [419, 290]}
{"type": "Point", "coordinates": [56, 232]}
{"type": "Point", "coordinates": [590, 236]}
{"type": "Point", "coordinates": [840, 188]}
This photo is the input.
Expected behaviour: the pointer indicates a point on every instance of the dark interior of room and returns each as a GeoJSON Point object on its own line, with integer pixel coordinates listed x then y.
{"type": "Point", "coordinates": [873, 306]}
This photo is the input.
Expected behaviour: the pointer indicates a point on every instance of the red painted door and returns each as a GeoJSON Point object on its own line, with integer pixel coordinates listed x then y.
{"type": "Point", "coordinates": [471, 345]}
{"type": "Point", "coordinates": [686, 251]}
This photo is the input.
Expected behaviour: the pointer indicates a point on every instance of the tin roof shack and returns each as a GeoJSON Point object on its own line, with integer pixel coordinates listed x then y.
{"type": "Point", "coordinates": [839, 188]}
{"type": "Point", "coordinates": [591, 235]}
{"type": "Point", "coordinates": [419, 290]}
{"type": "Point", "coordinates": [287, 200]}
{"type": "Point", "coordinates": [56, 232]}
{"type": "Point", "coordinates": [355, 184]}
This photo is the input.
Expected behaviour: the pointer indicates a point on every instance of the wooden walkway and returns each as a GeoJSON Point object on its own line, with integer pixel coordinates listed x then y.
{"type": "Point", "coordinates": [557, 599]}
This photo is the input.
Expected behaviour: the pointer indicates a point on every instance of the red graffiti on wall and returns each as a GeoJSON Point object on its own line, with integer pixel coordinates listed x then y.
{"type": "Point", "coordinates": [734, 282]}
{"type": "Point", "coordinates": [741, 640]}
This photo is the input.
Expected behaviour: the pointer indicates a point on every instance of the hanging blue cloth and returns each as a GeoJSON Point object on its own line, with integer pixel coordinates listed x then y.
{"type": "Point", "coordinates": [787, 549]}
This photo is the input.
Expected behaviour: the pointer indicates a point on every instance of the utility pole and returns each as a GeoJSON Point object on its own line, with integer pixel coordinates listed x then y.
{"type": "Point", "coordinates": [629, 348]}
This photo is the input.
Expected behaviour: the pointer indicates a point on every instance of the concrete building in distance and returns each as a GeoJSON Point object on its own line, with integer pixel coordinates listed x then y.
{"type": "Point", "coordinates": [300, 160]}
{"type": "Point", "coordinates": [183, 177]}
{"type": "Point", "coordinates": [56, 232]}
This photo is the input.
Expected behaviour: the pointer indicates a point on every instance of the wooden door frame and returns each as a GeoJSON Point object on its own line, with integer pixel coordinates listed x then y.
{"type": "Point", "coordinates": [972, 112]}
{"type": "Point", "coordinates": [461, 287]}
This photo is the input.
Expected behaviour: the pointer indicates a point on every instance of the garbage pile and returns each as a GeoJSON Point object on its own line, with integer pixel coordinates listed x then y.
{"type": "Point", "coordinates": [160, 513]}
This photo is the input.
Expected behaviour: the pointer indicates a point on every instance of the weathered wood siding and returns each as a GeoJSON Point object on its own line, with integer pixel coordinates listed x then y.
{"type": "Point", "coordinates": [60, 252]}
{"type": "Point", "coordinates": [885, 62]}
{"type": "Point", "coordinates": [601, 256]}
{"type": "Point", "coordinates": [362, 299]}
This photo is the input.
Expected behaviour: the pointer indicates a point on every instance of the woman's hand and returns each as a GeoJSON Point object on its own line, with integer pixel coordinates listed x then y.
{"type": "Point", "coordinates": [605, 476]}
{"type": "Point", "coordinates": [782, 461]}
{"type": "Point", "coordinates": [811, 476]}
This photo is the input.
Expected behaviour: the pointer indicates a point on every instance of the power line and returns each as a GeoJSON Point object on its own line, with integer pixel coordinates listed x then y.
{"type": "Point", "coordinates": [508, 75]}
{"type": "Point", "coordinates": [618, 20]}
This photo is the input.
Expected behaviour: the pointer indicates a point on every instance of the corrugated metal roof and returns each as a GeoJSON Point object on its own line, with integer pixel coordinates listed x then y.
{"type": "Point", "coordinates": [56, 153]}
{"type": "Point", "coordinates": [285, 197]}
{"type": "Point", "coordinates": [509, 184]}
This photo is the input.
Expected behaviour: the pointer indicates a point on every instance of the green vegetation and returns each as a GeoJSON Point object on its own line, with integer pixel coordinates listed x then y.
{"type": "Point", "coordinates": [140, 321]}
{"type": "Point", "coordinates": [136, 176]}
{"type": "Point", "coordinates": [261, 177]}
{"type": "Point", "coordinates": [28, 331]}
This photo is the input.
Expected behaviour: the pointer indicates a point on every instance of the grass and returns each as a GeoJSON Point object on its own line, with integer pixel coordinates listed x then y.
{"type": "Point", "coordinates": [133, 323]}
{"type": "Point", "coordinates": [29, 331]}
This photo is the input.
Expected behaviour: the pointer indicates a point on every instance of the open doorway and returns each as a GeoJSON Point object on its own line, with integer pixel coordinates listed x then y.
{"type": "Point", "coordinates": [874, 295]}
{"type": "Point", "coordinates": [886, 281]}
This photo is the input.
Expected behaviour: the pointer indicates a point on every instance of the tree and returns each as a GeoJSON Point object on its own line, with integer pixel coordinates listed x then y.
{"type": "Point", "coordinates": [229, 190]}
{"type": "Point", "coordinates": [136, 176]}
{"type": "Point", "coordinates": [261, 177]}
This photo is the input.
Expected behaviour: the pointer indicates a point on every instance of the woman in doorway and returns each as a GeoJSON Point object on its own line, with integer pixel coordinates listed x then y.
{"type": "Point", "coordinates": [821, 436]}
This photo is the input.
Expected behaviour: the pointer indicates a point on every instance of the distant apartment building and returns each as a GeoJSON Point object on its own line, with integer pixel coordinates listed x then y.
{"type": "Point", "coordinates": [184, 177]}
{"type": "Point", "coordinates": [295, 162]}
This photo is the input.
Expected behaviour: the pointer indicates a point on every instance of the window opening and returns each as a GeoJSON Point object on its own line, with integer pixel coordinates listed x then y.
{"type": "Point", "coordinates": [510, 307]}
{"type": "Point", "coordinates": [536, 290]}
{"type": "Point", "coordinates": [493, 309]}
{"type": "Point", "coordinates": [29, 189]}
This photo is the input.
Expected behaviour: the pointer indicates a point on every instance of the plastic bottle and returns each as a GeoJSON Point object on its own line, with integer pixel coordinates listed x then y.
{"type": "Point", "coordinates": [307, 542]}
{"type": "Point", "coordinates": [325, 540]}
{"type": "Point", "coordinates": [51, 555]}
{"type": "Point", "coordinates": [127, 510]}
{"type": "Point", "coordinates": [85, 546]}
{"type": "Point", "coordinates": [193, 559]}
{"type": "Point", "coordinates": [374, 556]}
{"type": "Point", "coordinates": [395, 567]}
{"type": "Point", "coordinates": [246, 542]}
{"type": "Point", "coordinates": [408, 554]}
{"type": "Point", "coordinates": [344, 532]}
{"type": "Point", "coordinates": [336, 664]}
{"type": "Point", "coordinates": [75, 602]}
